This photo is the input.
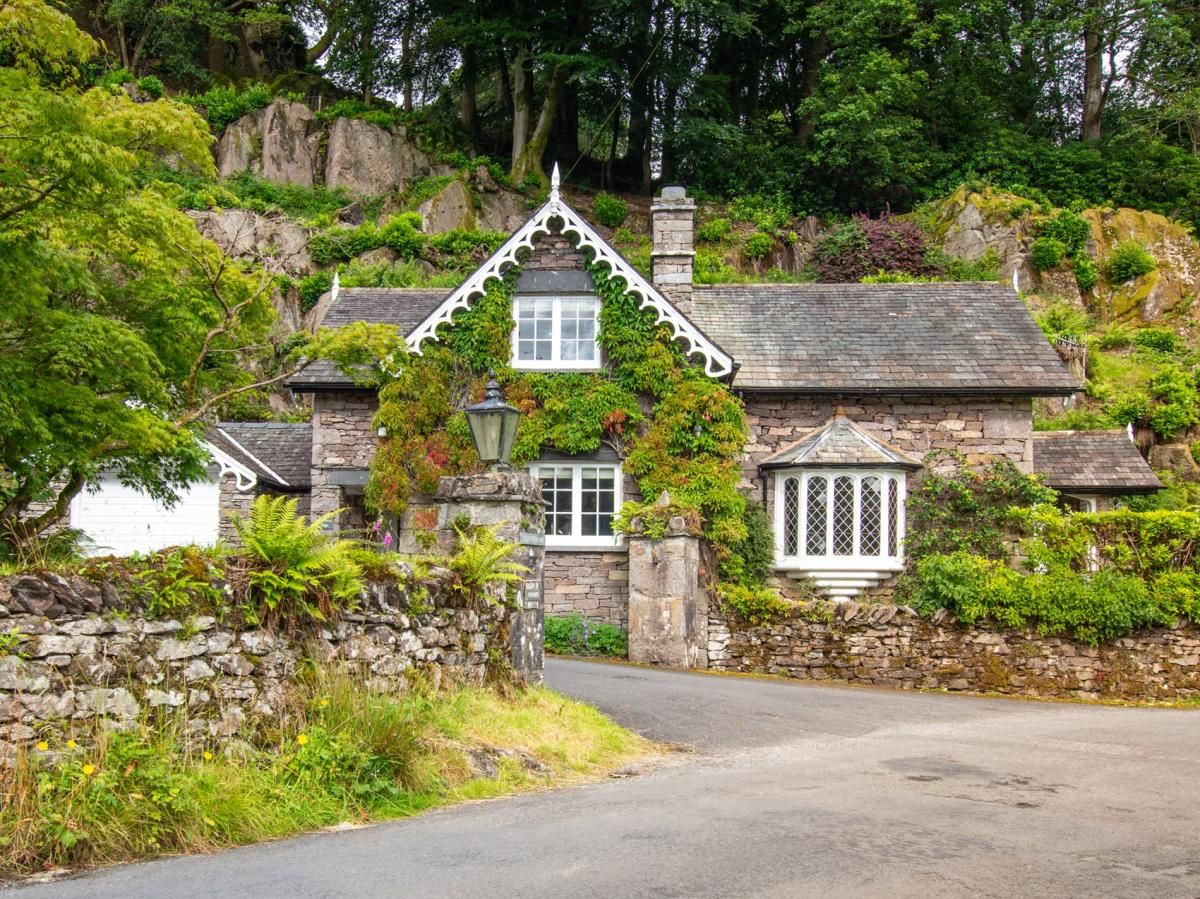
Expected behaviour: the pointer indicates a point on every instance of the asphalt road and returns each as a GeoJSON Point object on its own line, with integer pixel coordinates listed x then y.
{"type": "Point", "coordinates": [791, 790]}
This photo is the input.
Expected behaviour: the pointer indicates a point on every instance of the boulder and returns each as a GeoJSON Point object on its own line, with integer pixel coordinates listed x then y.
{"type": "Point", "coordinates": [280, 143]}
{"type": "Point", "coordinates": [452, 208]}
{"type": "Point", "coordinates": [1177, 458]}
{"type": "Point", "coordinates": [969, 224]}
{"type": "Point", "coordinates": [367, 160]}
{"type": "Point", "coordinates": [276, 241]}
{"type": "Point", "coordinates": [502, 210]}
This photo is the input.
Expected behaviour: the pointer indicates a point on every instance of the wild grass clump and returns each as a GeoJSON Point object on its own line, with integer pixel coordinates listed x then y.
{"type": "Point", "coordinates": [336, 751]}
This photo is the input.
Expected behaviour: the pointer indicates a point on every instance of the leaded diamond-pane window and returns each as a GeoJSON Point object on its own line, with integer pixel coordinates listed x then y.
{"type": "Point", "coordinates": [556, 332]}
{"type": "Point", "coordinates": [893, 507]}
{"type": "Point", "coordinates": [843, 516]}
{"type": "Point", "coordinates": [870, 504]}
{"type": "Point", "coordinates": [791, 516]}
{"type": "Point", "coordinates": [851, 515]}
{"type": "Point", "coordinates": [818, 510]}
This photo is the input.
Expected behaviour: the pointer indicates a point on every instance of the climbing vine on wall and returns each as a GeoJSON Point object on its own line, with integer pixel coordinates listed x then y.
{"type": "Point", "coordinates": [675, 428]}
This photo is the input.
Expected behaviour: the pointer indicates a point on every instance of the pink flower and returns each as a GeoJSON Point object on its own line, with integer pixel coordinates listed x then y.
{"type": "Point", "coordinates": [377, 525]}
{"type": "Point", "coordinates": [387, 539]}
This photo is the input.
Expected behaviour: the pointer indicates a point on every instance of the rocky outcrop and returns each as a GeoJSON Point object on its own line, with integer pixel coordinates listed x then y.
{"type": "Point", "coordinates": [1174, 248]}
{"type": "Point", "coordinates": [276, 241]}
{"type": "Point", "coordinates": [368, 160]}
{"type": "Point", "coordinates": [969, 224]}
{"type": "Point", "coordinates": [281, 143]}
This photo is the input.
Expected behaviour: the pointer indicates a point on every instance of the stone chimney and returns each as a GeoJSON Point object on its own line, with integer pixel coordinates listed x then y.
{"type": "Point", "coordinates": [672, 228]}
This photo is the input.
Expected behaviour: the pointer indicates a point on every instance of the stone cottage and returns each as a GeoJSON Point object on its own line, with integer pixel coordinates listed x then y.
{"type": "Point", "coordinates": [847, 389]}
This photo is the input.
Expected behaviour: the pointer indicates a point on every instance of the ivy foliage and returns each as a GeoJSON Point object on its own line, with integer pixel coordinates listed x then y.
{"type": "Point", "coordinates": [675, 428]}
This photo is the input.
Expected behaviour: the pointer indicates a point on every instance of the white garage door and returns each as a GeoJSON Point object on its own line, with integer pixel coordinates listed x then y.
{"type": "Point", "coordinates": [120, 520]}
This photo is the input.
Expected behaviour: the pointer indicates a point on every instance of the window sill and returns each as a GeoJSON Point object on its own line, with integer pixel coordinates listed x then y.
{"type": "Point", "coordinates": [585, 547]}
{"type": "Point", "coordinates": [840, 564]}
{"type": "Point", "coordinates": [527, 365]}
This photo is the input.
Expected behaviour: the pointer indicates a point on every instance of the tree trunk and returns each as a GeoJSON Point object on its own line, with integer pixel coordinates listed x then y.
{"type": "Point", "coordinates": [406, 65]}
{"type": "Point", "coordinates": [522, 95]}
{"type": "Point", "coordinates": [529, 161]}
{"type": "Point", "coordinates": [1093, 92]}
{"type": "Point", "coordinates": [470, 105]}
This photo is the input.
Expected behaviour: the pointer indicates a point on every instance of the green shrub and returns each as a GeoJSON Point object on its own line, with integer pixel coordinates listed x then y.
{"type": "Point", "coordinates": [1046, 252]}
{"type": "Point", "coordinates": [312, 288]}
{"type": "Point", "coordinates": [756, 605]}
{"type": "Point", "coordinates": [1115, 336]}
{"type": "Point", "coordinates": [757, 550]}
{"type": "Point", "coordinates": [611, 211]}
{"type": "Point", "coordinates": [223, 105]}
{"type": "Point", "coordinates": [1129, 260]}
{"type": "Point", "coordinates": [1128, 407]}
{"type": "Point", "coordinates": [150, 86]}
{"type": "Point", "coordinates": [296, 573]}
{"type": "Point", "coordinates": [402, 233]}
{"type": "Point", "coordinates": [578, 636]}
{"type": "Point", "coordinates": [714, 230]}
{"type": "Point", "coordinates": [765, 213]}
{"type": "Point", "coordinates": [1085, 271]}
{"type": "Point", "coordinates": [305, 204]}
{"type": "Point", "coordinates": [1069, 229]}
{"type": "Point", "coordinates": [758, 245]}
{"type": "Point", "coordinates": [985, 268]}
{"type": "Point", "coordinates": [1077, 418]}
{"type": "Point", "coordinates": [1061, 320]}
{"type": "Point", "coordinates": [1159, 339]}
{"type": "Point", "coordinates": [957, 507]}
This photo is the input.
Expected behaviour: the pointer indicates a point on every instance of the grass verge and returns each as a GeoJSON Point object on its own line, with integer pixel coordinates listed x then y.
{"type": "Point", "coordinates": [337, 752]}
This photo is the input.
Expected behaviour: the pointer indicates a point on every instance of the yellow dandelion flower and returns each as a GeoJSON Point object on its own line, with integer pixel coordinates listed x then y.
{"type": "Point", "coordinates": [324, 703]}
{"type": "Point", "coordinates": [208, 756]}
{"type": "Point", "coordinates": [42, 745]}
{"type": "Point", "coordinates": [89, 770]}
{"type": "Point", "coordinates": [302, 739]}
{"type": "Point", "coordinates": [71, 744]}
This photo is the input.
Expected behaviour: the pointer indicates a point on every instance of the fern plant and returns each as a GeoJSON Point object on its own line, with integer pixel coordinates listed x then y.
{"type": "Point", "coordinates": [484, 560]}
{"type": "Point", "coordinates": [295, 573]}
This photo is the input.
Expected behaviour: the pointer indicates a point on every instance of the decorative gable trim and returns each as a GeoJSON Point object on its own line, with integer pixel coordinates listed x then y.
{"type": "Point", "coordinates": [245, 478]}
{"type": "Point", "coordinates": [717, 363]}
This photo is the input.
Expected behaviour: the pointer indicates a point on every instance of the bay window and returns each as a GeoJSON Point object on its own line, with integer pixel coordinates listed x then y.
{"type": "Point", "coordinates": [839, 519]}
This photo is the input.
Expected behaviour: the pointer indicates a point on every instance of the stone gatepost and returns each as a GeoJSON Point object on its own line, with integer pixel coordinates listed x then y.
{"type": "Point", "coordinates": [668, 599]}
{"type": "Point", "coordinates": [511, 502]}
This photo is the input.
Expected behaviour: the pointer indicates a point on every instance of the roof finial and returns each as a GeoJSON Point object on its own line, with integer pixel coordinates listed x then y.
{"type": "Point", "coordinates": [554, 184]}
{"type": "Point", "coordinates": [334, 288]}
{"type": "Point", "coordinates": [839, 412]}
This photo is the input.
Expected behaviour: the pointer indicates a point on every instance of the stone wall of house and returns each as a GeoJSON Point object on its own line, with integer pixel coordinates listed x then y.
{"type": "Point", "coordinates": [344, 438]}
{"type": "Point", "coordinates": [553, 252]}
{"type": "Point", "coordinates": [86, 656]}
{"type": "Point", "coordinates": [978, 428]}
{"type": "Point", "coordinates": [891, 646]}
{"type": "Point", "coordinates": [594, 584]}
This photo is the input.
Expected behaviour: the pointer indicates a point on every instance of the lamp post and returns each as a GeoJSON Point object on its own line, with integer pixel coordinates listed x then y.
{"type": "Point", "coordinates": [493, 425]}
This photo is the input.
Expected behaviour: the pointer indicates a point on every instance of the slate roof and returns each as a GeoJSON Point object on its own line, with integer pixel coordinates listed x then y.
{"type": "Point", "coordinates": [881, 338]}
{"type": "Point", "coordinates": [1092, 462]}
{"type": "Point", "coordinates": [279, 453]}
{"type": "Point", "coordinates": [404, 307]}
{"type": "Point", "coordinates": [840, 442]}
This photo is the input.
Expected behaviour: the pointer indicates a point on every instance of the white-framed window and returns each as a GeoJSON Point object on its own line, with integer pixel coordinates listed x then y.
{"type": "Point", "coordinates": [556, 332]}
{"type": "Point", "coordinates": [839, 519]}
{"type": "Point", "coordinates": [582, 499]}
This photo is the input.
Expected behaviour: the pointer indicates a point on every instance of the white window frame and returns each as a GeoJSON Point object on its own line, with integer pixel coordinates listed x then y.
{"type": "Point", "coordinates": [855, 561]}
{"type": "Point", "coordinates": [577, 540]}
{"type": "Point", "coordinates": [555, 362]}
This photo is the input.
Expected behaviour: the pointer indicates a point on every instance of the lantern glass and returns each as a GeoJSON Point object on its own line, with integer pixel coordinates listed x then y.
{"type": "Point", "coordinates": [493, 426]}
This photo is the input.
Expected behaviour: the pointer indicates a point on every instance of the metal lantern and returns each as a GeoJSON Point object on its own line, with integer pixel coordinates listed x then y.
{"type": "Point", "coordinates": [493, 425]}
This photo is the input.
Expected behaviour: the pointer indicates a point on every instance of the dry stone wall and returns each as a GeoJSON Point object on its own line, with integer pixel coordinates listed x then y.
{"type": "Point", "coordinates": [86, 659]}
{"type": "Point", "coordinates": [891, 646]}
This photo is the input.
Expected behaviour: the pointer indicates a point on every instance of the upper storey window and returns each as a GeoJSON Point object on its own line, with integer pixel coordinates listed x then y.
{"type": "Point", "coordinates": [556, 332]}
